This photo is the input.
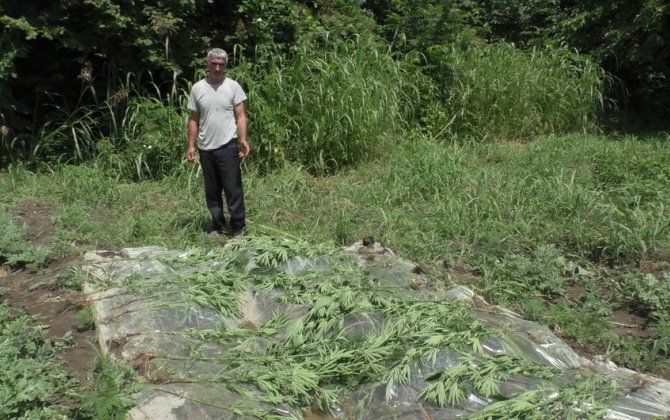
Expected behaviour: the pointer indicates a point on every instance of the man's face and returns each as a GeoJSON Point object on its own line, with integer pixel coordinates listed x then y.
{"type": "Point", "coordinates": [216, 66]}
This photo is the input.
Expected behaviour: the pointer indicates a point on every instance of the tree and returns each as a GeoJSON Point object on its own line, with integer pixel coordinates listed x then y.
{"type": "Point", "coordinates": [631, 38]}
{"type": "Point", "coordinates": [49, 48]}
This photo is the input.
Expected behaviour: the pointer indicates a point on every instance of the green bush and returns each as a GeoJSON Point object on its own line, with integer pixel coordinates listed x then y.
{"type": "Point", "coordinates": [325, 109]}
{"type": "Point", "coordinates": [497, 91]}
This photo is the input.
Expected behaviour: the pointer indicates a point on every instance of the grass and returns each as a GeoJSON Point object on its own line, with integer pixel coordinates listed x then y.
{"type": "Point", "coordinates": [432, 200]}
{"type": "Point", "coordinates": [526, 220]}
{"type": "Point", "coordinates": [328, 108]}
{"type": "Point", "coordinates": [497, 91]}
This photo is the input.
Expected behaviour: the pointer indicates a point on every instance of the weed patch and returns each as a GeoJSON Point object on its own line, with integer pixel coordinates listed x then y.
{"type": "Point", "coordinates": [110, 396]}
{"type": "Point", "coordinates": [33, 384]}
{"type": "Point", "coordinates": [15, 251]}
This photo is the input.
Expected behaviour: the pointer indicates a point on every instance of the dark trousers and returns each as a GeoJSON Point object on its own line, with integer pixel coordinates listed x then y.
{"type": "Point", "coordinates": [221, 169]}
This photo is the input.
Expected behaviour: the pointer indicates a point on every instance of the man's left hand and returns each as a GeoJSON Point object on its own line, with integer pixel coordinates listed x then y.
{"type": "Point", "coordinates": [244, 148]}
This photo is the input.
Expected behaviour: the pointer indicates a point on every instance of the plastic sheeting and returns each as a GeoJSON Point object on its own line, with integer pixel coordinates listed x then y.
{"type": "Point", "coordinates": [155, 328]}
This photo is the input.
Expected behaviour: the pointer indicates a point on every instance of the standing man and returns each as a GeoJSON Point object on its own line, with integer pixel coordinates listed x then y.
{"type": "Point", "coordinates": [218, 122]}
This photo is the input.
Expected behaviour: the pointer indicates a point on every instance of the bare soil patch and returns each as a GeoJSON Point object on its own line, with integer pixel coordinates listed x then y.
{"type": "Point", "coordinates": [56, 309]}
{"type": "Point", "coordinates": [36, 218]}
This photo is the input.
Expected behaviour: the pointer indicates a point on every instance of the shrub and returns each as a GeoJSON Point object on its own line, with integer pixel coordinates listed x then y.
{"type": "Point", "coordinates": [326, 109]}
{"type": "Point", "coordinates": [501, 92]}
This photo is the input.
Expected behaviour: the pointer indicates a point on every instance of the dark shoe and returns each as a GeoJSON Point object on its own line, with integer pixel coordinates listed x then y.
{"type": "Point", "coordinates": [239, 232]}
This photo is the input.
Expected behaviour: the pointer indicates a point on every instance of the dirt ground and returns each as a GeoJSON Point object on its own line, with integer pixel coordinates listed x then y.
{"type": "Point", "coordinates": [57, 308]}
{"type": "Point", "coordinates": [40, 296]}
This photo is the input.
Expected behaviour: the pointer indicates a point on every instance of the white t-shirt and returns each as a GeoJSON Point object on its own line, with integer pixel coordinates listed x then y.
{"type": "Point", "coordinates": [215, 105]}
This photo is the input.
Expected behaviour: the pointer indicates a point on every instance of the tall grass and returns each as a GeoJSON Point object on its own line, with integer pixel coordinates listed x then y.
{"type": "Point", "coordinates": [330, 107]}
{"type": "Point", "coordinates": [499, 92]}
{"type": "Point", "coordinates": [146, 135]}
{"type": "Point", "coordinates": [432, 200]}
{"type": "Point", "coordinates": [326, 109]}
{"type": "Point", "coordinates": [137, 130]}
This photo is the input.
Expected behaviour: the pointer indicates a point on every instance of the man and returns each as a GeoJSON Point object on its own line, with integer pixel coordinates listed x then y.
{"type": "Point", "coordinates": [216, 124]}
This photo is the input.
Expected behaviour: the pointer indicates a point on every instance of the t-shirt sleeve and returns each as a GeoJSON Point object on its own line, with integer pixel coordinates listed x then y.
{"type": "Point", "coordinates": [238, 94]}
{"type": "Point", "coordinates": [192, 102]}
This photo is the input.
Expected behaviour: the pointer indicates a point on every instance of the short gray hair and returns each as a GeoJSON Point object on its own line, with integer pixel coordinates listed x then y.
{"type": "Point", "coordinates": [217, 53]}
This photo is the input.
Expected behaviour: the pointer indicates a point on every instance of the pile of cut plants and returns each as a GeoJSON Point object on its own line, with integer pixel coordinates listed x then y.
{"type": "Point", "coordinates": [272, 327]}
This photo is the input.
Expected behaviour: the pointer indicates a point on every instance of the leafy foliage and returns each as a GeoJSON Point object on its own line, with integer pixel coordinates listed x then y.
{"type": "Point", "coordinates": [100, 42]}
{"type": "Point", "coordinates": [30, 379]}
{"type": "Point", "coordinates": [483, 375]}
{"type": "Point", "coordinates": [328, 108]}
{"type": "Point", "coordinates": [572, 402]}
{"type": "Point", "coordinates": [630, 40]}
{"type": "Point", "coordinates": [111, 395]}
{"type": "Point", "coordinates": [627, 38]}
{"type": "Point", "coordinates": [647, 294]}
{"type": "Point", "coordinates": [633, 171]}
{"type": "Point", "coordinates": [15, 249]}
{"type": "Point", "coordinates": [355, 330]}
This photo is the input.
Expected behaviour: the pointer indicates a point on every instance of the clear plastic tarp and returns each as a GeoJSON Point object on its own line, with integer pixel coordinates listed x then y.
{"type": "Point", "coordinates": [268, 327]}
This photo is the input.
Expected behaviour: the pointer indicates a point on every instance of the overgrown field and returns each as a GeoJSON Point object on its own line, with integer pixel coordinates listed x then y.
{"type": "Point", "coordinates": [569, 231]}
{"type": "Point", "coordinates": [456, 172]}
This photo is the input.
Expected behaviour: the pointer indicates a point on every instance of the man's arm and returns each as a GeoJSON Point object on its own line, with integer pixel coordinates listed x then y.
{"type": "Point", "coordinates": [241, 118]}
{"type": "Point", "coordinates": [192, 129]}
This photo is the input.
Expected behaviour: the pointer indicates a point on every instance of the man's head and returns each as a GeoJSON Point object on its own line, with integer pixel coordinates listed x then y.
{"type": "Point", "coordinates": [216, 63]}
{"type": "Point", "coordinates": [217, 53]}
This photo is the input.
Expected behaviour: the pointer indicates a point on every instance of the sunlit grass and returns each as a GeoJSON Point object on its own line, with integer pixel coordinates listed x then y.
{"type": "Point", "coordinates": [500, 92]}
{"type": "Point", "coordinates": [423, 198]}
{"type": "Point", "coordinates": [522, 221]}
{"type": "Point", "coordinates": [429, 200]}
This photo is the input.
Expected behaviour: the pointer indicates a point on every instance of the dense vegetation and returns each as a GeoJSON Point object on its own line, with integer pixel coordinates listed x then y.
{"type": "Point", "coordinates": [472, 137]}
{"type": "Point", "coordinates": [567, 230]}
{"type": "Point", "coordinates": [35, 386]}
{"type": "Point", "coordinates": [78, 61]}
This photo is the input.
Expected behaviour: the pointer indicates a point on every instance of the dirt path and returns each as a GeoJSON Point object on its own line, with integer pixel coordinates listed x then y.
{"type": "Point", "coordinates": [57, 310]}
{"type": "Point", "coordinates": [41, 296]}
